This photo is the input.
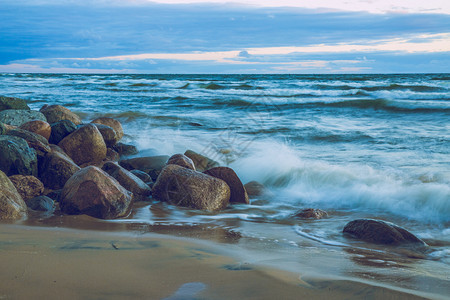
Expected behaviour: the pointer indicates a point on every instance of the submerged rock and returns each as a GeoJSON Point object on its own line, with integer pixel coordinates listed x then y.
{"type": "Point", "coordinates": [202, 163]}
{"type": "Point", "coordinates": [151, 165]}
{"type": "Point", "coordinates": [238, 193]}
{"type": "Point", "coordinates": [311, 213]}
{"type": "Point", "coordinates": [116, 125]}
{"type": "Point", "coordinates": [38, 127]}
{"type": "Point", "coordinates": [16, 156]}
{"type": "Point", "coordinates": [189, 188]}
{"type": "Point", "coordinates": [181, 160]}
{"type": "Point", "coordinates": [27, 186]}
{"type": "Point", "coordinates": [255, 189]}
{"type": "Point", "coordinates": [55, 113]}
{"type": "Point", "coordinates": [93, 192]}
{"type": "Point", "coordinates": [84, 145]}
{"type": "Point", "coordinates": [60, 130]}
{"type": "Point", "coordinates": [18, 117]}
{"type": "Point", "coordinates": [380, 232]}
{"type": "Point", "coordinates": [56, 169]}
{"type": "Point", "coordinates": [12, 205]}
{"type": "Point", "coordinates": [13, 103]}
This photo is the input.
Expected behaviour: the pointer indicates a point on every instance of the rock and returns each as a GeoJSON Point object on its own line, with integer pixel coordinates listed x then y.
{"type": "Point", "coordinates": [16, 156]}
{"type": "Point", "coordinates": [189, 188]}
{"type": "Point", "coordinates": [311, 213]}
{"type": "Point", "coordinates": [41, 203]}
{"type": "Point", "coordinates": [3, 129]}
{"type": "Point", "coordinates": [55, 113]}
{"type": "Point", "coordinates": [151, 165]}
{"type": "Point", "coordinates": [93, 192]}
{"type": "Point", "coordinates": [13, 103]}
{"type": "Point", "coordinates": [380, 232]}
{"type": "Point", "coordinates": [39, 127]}
{"type": "Point", "coordinates": [255, 189]}
{"type": "Point", "coordinates": [109, 134]}
{"type": "Point", "coordinates": [35, 141]}
{"type": "Point", "coordinates": [27, 186]}
{"type": "Point", "coordinates": [12, 205]}
{"type": "Point", "coordinates": [60, 130]}
{"type": "Point", "coordinates": [84, 145]}
{"type": "Point", "coordinates": [18, 117]}
{"type": "Point", "coordinates": [202, 163]}
{"type": "Point", "coordinates": [142, 176]}
{"type": "Point", "coordinates": [128, 180]}
{"type": "Point", "coordinates": [56, 169]}
{"type": "Point", "coordinates": [181, 160]}
{"type": "Point", "coordinates": [54, 194]}
{"type": "Point", "coordinates": [125, 150]}
{"type": "Point", "coordinates": [112, 155]}
{"type": "Point", "coordinates": [111, 123]}
{"type": "Point", "coordinates": [238, 193]}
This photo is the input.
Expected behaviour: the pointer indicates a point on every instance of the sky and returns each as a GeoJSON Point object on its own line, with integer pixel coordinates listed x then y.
{"type": "Point", "coordinates": [216, 36]}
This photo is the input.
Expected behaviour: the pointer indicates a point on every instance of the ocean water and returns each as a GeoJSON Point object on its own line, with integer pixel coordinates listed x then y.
{"type": "Point", "coordinates": [356, 146]}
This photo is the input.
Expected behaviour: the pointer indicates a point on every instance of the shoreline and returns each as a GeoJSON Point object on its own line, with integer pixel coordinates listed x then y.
{"type": "Point", "coordinates": [71, 263]}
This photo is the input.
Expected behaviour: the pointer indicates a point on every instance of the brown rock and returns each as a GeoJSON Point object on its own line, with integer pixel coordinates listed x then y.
{"type": "Point", "coordinates": [84, 145]}
{"type": "Point", "coordinates": [12, 205]}
{"type": "Point", "coordinates": [142, 176]}
{"type": "Point", "coordinates": [27, 186]}
{"type": "Point", "coordinates": [35, 141]}
{"type": "Point", "coordinates": [109, 134]}
{"type": "Point", "coordinates": [112, 155]}
{"type": "Point", "coordinates": [189, 188]}
{"type": "Point", "coordinates": [311, 213]}
{"type": "Point", "coordinates": [93, 192]}
{"type": "Point", "coordinates": [202, 163]}
{"type": "Point", "coordinates": [380, 232]}
{"type": "Point", "coordinates": [151, 165]}
{"type": "Point", "coordinates": [181, 160]}
{"type": "Point", "coordinates": [56, 169]}
{"type": "Point", "coordinates": [125, 149]}
{"type": "Point", "coordinates": [128, 180]}
{"type": "Point", "coordinates": [39, 127]}
{"type": "Point", "coordinates": [55, 113]}
{"type": "Point", "coordinates": [111, 123]}
{"type": "Point", "coordinates": [255, 189]}
{"type": "Point", "coordinates": [238, 193]}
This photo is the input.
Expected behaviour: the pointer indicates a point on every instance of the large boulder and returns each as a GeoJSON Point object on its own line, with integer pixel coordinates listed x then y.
{"type": "Point", "coordinates": [16, 156]}
{"type": "Point", "coordinates": [55, 113]}
{"type": "Point", "coordinates": [201, 162]}
{"type": "Point", "coordinates": [12, 103]}
{"type": "Point", "coordinates": [39, 127]}
{"type": "Point", "coordinates": [12, 205]}
{"type": "Point", "coordinates": [238, 193]}
{"type": "Point", "coordinates": [116, 125]}
{"type": "Point", "coordinates": [109, 134]}
{"type": "Point", "coordinates": [189, 188]}
{"type": "Point", "coordinates": [27, 186]}
{"type": "Point", "coordinates": [151, 165]}
{"type": "Point", "coordinates": [84, 145]}
{"type": "Point", "coordinates": [125, 149]}
{"type": "Point", "coordinates": [60, 130]}
{"type": "Point", "coordinates": [56, 169]}
{"type": "Point", "coordinates": [18, 117]}
{"type": "Point", "coordinates": [181, 160]}
{"type": "Point", "coordinates": [380, 232]}
{"type": "Point", "coordinates": [93, 192]}
{"type": "Point", "coordinates": [35, 141]}
{"type": "Point", "coordinates": [128, 180]}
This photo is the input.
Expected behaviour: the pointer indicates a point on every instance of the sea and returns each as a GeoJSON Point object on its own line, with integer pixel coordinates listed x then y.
{"type": "Point", "coordinates": [356, 146]}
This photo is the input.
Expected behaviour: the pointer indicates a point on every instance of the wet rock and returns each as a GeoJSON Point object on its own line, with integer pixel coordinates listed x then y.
{"type": "Point", "coordinates": [56, 169]}
{"type": "Point", "coordinates": [255, 189]}
{"type": "Point", "coordinates": [38, 127]}
{"type": "Point", "coordinates": [109, 134]}
{"type": "Point", "coordinates": [13, 103]}
{"type": "Point", "coordinates": [189, 188]}
{"type": "Point", "coordinates": [238, 193]}
{"type": "Point", "coordinates": [128, 180]}
{"type": "Point", "coordinates": [125, 149]}
{"type": "Point", "coordinates": [41, 203]}
{"type": "Point", "coordinates": [16, 156]}
{"type": "Point", "coordinates": [55, 113]}
{"type": "Point", "coordinates": [311, 213]}
{"type": "Point", "coordinates": [18, 117]}
{"type": "Point", "coordinates": [112, 155]}
{"type": "Point", "coordinates": [60, 130]}
{"type": "Point", "coordinates": [116, 125]}
{"type": "Point", "coordinates": [84, 145]}
{"type": "Point", "coordinates": [142, 176]}
{"type": "Point", "coordinates": [54, 194]}
{"type": "Point", "coordinates": [27, 186]}
{"type": "Point", "coordinates": [12, 205]}
{"type": "Point", "coordinates": [202, 163]}
{"type": "Point", "coordinates": [93, 192]}
{"type": "Point", "coordinates": [181, 160]}
{"type": "Point", "coordinates": [3, 129]}
{"type": "Point", "coordinates": [380, 232]}
{"type": "Point", "coordinates": [35, 141]}
{"type": "Point", "coordinates": [151, 165]}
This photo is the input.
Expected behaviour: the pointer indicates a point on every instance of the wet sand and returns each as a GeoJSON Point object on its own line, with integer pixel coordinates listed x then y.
{"type": "Point", "coordinates": [59, 263]}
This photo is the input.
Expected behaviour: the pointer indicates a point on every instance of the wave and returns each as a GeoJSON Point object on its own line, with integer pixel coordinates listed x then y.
{"type": "Point", "coordinates": [213, 86]}
{"type": "Point", "coordinates": [382, 104]}
{"type": "Point", "coordinates": [401, 87]}
{"type": "Point", "coordinates": [143, 84]}
{"type": "Point", "coordinates": [184, 86]}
